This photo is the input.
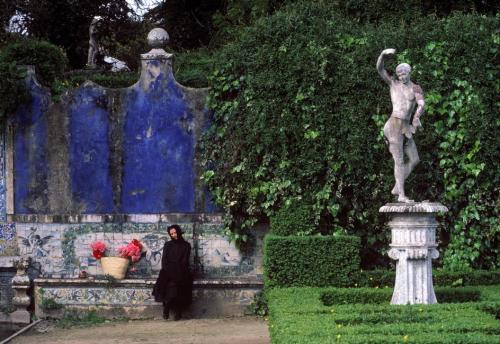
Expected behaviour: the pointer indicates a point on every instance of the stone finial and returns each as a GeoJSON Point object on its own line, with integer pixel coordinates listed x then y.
{"type": "Point", "coordinates": [158, 38]}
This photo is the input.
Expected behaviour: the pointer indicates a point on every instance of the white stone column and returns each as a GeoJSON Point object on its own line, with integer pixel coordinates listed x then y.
{"type": "Point", "coordinates": [413, 246]}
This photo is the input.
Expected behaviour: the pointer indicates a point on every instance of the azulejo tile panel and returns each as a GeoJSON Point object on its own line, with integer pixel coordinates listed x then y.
{"type": "Point", "coordinates": [97, 296]}
{"type": "Point", "coordinates": [8, 239]}
{"type": "Point", "coordinates": [63, 250]}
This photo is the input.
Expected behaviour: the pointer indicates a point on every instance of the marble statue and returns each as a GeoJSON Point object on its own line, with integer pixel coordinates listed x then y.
{"type": "Point", "coordinates": [93, 47]}
{"type": "Point", "coordinates": [407, 106]}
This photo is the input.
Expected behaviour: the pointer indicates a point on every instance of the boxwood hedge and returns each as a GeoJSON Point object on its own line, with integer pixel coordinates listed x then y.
{"type": "Point", "coordinates": [310, 260]}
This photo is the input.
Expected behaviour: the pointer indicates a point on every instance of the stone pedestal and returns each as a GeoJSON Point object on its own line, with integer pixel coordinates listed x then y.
{"type": "Point", "coordinates": [21, 300]}
{"type": "Point", "coordinates": [413, 227]}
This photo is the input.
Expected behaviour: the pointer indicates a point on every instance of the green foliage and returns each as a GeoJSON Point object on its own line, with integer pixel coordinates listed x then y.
{"type": "Point", "coordinates": [310, 260]}
{"type": "Point", "coordinates": [296, 218]}
{"type": "Point", "coordinates": [12, 90]}
{"type": "Point", "coordinates": [49, 60]}
{"type": "Point", "coordinates": [296, 315]}
{"type": "Point", "coordinates": [386, 278]}
{"type": "Point", "coordinates": [341, 296]}
{"type": "Point", "coordinates": [193, 68]}
{"type": "Point", "coordinates": [493, 308]}
{"type": "Point", "coordinates": [409, 10]}
{"type": "Point", "coordinates": [259, 305]}
{"type": "Point", "coordinates": [105, 79]}
{"type": "Point", "coordinates": [80, 319]}
{"type": "Point", "coordinates": [66, 24]}
{"type": "Point", "coordinates": [298, 112]}
{"type": "Point", "coordinates": [48, 303]}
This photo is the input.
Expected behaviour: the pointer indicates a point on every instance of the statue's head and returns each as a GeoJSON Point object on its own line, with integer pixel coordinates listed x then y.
{"type": "Point", "coordinates": [403, 71]}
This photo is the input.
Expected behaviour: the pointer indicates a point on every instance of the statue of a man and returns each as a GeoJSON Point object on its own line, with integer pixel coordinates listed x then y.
{"type": "Point", "coordinates": [403, 123]}
{"type": "Point", "coordinates": [93, 47]}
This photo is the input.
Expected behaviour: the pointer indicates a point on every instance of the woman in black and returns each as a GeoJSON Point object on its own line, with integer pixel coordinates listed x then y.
{"type": "Point", "coordinates": [174, 284]}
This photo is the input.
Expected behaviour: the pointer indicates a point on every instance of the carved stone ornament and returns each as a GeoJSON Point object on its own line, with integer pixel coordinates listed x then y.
{"type": "Point", "coordinates": [413, 246]}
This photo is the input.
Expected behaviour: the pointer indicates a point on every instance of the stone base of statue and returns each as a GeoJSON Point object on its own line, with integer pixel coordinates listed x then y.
{"type": "Point", "coordinates": [413, 227]}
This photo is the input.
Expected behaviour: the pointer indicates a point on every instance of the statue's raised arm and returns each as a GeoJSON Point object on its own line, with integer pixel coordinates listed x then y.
{"type": "Point", "coordinates": [380, 64]}
{"type": "Point", "coordinates": [407, 100]}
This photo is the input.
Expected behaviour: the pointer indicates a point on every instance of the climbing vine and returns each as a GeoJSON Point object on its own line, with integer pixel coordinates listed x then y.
{"type": "Point", "coordinates": [298, 112]}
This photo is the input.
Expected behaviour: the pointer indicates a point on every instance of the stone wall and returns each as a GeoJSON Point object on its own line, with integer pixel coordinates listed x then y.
{"type": "Point", "coordinates": [113, 165]}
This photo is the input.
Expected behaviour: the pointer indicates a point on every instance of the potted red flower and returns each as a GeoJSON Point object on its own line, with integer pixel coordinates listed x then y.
{"type": "Point", "coordinates": [117, 266]}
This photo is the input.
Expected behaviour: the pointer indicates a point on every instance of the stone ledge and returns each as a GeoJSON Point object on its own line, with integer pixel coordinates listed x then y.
{"type": "Point", "coordinates": [420, 207]}
{"type": "Point", "coordinates": [248, 282]}
{"type": "Point", "coordinates": [115, 218]}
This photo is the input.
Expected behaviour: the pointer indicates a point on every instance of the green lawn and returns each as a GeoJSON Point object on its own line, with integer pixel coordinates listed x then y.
{"type": "Point", "coordinates": [297, 315]}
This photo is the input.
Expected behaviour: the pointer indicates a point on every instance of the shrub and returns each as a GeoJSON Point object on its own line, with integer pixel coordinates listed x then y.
{"type": "Point", "coordinates": [383, 278]}
{"type": "Point", "coordinates": [104, 79]}
{"type": "Point", "coordinates": [310, 260]}
{"type": "Point", "coordinates": [295, 219]}
{"type": "Point", "coordinates": [49, 60]}
{"type": "Point", "coordinates": [193, 68]}
{"type": "Point", "coordinates": [12, 89]}
{"type": "Point", "coordinates": [492, 308]}
{"type": "Point", "coordinates": [383, 296]}
{"type": "Point", "coordinates": [299, 110]}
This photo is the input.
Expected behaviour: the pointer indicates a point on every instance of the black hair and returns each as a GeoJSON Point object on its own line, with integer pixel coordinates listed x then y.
{"type": "Point", "coordinates": [177, 229]}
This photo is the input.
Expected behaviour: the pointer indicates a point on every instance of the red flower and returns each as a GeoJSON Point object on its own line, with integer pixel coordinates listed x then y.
{"type": "Point", "coordinates": [98, 249]}
{"type": "Point", "coordinates": [97, 254]}
{"type": "Point", "coordinates": [132, 250]}
{"type": "Point", "coordinates": [137, 243]}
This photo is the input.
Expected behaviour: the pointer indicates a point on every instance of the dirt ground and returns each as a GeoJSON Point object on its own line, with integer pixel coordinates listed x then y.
{"type": "Point", "coordinates": [244, 330]}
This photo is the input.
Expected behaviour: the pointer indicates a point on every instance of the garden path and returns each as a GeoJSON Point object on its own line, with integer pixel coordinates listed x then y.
{"type": "Point", "coordinates": [244, 330]}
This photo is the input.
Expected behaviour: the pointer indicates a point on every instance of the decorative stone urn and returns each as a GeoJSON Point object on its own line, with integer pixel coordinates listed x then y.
{"type": "Point", "coordinates": [413, 246]}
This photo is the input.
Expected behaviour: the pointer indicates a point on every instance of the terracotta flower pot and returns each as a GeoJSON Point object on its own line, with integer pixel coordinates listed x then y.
{"type": "Point", "coordinates": [115, 266]}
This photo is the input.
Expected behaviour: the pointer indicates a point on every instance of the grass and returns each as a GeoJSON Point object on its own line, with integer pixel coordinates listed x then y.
{"type": "Point", "coordinates": [296, 315]}
{"type": "Point", "coordinates": [80, 319]}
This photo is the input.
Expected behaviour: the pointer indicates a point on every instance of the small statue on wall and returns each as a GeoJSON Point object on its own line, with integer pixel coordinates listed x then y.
{"type": "Point", "coordinates": [93, 47]}
{"type": "Point", "coordinates": [407, 106]}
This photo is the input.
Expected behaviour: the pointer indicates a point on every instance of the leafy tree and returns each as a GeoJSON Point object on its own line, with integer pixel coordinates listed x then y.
{"type": "Point", "coordinates": [66, 23]}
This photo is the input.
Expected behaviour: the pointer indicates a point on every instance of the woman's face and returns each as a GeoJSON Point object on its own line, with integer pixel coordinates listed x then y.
{"type": "Point", "coordinates": [173, 233]}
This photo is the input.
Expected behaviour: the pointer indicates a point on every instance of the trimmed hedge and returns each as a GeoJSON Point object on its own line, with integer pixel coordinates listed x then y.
{"type": "Point", "coordinates": [104, 79]}
{"type": "Point", "coordinates": [386, 278]}
{"type": "Point", "coordinates": [383, 296]}
{"type": "Point", "coordinates": [310, 261]}
{"type": "Point", "coordinates": [296, 315]}
{"type": "Point", "coordinates": [295, 219]}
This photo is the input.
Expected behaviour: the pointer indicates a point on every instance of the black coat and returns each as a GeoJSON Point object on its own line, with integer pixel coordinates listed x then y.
{"type": "Point", "coordinates": [174, 282]}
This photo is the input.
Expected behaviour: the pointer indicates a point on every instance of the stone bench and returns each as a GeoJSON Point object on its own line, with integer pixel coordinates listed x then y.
{"type": "Point", "coordinates": [131, 298]}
